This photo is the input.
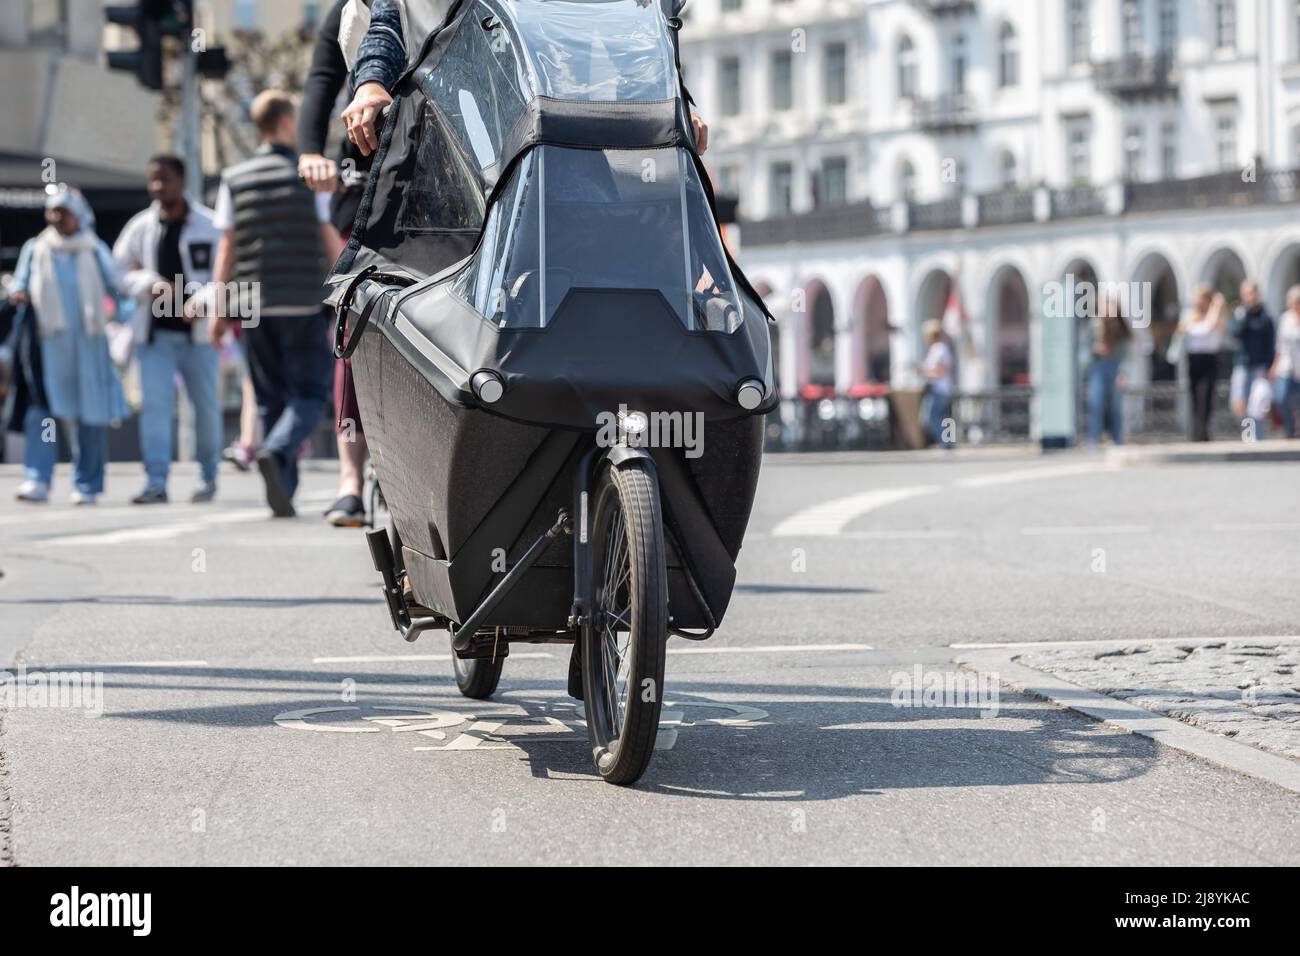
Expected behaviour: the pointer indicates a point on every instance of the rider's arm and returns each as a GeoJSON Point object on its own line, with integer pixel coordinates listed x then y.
{"type": "Point", "coordinates": [328, 73]}
{"type": "Point", "coordinates": [381, 60]}
{"type": "Point", "coordinates": [382, 55]}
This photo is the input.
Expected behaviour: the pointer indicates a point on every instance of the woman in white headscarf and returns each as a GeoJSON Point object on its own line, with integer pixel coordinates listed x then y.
{"type": "Point", "coordinates": [67, 277]}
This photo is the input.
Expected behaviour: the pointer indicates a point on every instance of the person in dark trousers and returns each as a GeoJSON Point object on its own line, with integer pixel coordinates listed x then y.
{"type": "Point", "coordinates": [1202, 331]}
{"type": "Point", "coordinates": [344, 181]}
{"type": "Point", "coordinates": [276, 245]}
{"type": "Point", "coordinates": [1256, 337]}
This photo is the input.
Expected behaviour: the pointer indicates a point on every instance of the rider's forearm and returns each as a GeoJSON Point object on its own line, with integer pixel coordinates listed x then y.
{"type": "Point", "coordinates": [381, 57]}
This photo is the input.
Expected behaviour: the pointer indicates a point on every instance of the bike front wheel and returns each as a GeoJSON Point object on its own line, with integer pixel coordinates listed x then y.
{"type": "Point", "coordinates": [623, 646]}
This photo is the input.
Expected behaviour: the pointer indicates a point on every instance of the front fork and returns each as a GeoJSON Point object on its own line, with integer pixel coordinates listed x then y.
{"type": "Point", "coordinates": [584, 480]}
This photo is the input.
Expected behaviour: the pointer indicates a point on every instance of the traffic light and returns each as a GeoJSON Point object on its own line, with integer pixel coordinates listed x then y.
{"type": "Point", "coordinates": [146, 62]}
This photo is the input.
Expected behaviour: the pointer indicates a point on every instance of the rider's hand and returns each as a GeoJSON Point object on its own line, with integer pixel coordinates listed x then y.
{"type": "Point", "coordinates": [362, 113]}
{"type": "Point", "coordinates": [318, 172]}
{"type": "Point", "coordinates": [701, 132]}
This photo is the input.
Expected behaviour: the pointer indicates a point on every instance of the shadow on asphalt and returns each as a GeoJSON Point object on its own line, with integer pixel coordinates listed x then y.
{"type": "Point", "coordinates": [164, 600]}
{"type": "Point", "coordinates": [803, 750]}
{"type": "Point", "coordinates": [797, 589]}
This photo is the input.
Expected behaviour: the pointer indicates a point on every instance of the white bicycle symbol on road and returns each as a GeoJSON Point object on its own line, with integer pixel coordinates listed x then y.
{"type": "Point", "coordinates": [494, 727]}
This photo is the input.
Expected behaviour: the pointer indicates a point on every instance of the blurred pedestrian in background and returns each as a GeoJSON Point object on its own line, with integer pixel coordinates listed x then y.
{"type": "Point", "coordinates": [277, 243]}
{"type": "Point", "coordinates": [1201, 330]}
{"type": "Point", "coordinates": [67, 279]}
{"type": "Point", "coordinates": [345, 182]}
{"type": "Point", "coordinates": [1285, 372]}
{"type": "Point", "coordinates": [166, 254]}
{"type": "Point", "coordinates": [1105, 350]}
{"type": "Point", "coordinates": [937, 369]}
{"type": "Point", "coordinates": [1256, 337]}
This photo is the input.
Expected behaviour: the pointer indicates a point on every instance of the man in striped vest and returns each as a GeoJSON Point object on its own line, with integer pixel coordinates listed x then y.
{"type": "Point", "coordinates": [276, 246]}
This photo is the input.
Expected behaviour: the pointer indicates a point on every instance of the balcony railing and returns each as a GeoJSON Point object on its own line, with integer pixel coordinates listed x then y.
{"type": "Point", "coordinates": [833, 222]}
{"type": "Point", "coordinates": [1215, 191]}
{"type": "Point", "coordinates": [950, 112]}
{"type": "Point", "coordinates": [944, 8]}
{"type": "Point", "coordinates": [1006, 207]}
{"type": "Point", "coordinates": [1076, 202]}
{"type": "Point", "coordinates": [1136, 75]}
{"type": "Point", "coordinates": [943, 214]}
{"type": "Point", "coordinates": [1221, 190]}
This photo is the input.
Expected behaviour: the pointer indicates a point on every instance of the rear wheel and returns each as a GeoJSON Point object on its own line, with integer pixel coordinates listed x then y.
{"type": "Point", "coordinates": [477, 678]}
{"type": "Point", "coordinates": [623, 646]}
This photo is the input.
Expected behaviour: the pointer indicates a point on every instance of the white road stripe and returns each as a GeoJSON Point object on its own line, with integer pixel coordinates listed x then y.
{"type": "Point", "coordinates": [1263, 526]}
{"type": "Point", "coordinates": [159, 532]}
{"type": "Point", "coordinates": [1030, 474]}
{"type": "Point", "coordinates": [831, 517]}
{"type": "Point", "coordinates": [414, 658]}
{"type": "Point", "coordinates": [1110, 641]}
{"type": "Point", "coordinates": [1097, 529]}
{"type": "Point", "coordinates": [772, 649]}
{"type": "Point", "coordinates": [143, 664]}
{"type": "Point", "coordinates": [768, 649]}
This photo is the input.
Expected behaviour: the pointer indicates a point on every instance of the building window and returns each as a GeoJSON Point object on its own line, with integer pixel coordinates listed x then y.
{"type": "Point", "coordinates": [730, 4]}
{"type": "Point", "coordinates": [727, 181]}
{"type": "Point", "coordinates": [780, 193]}
{"type": "Point", "coordinates": [729, 85]}
{"type": "Point", "coordinates": [1133, 149]}
{"type": "Point", "coordinates": [957, 184]}
{"type": "Point", "coordinates": [1134, 34]}
{"type": "Point", "coordinates": [1009, 171]}
{"type": "Point", "coordinates": [1008, 56]}
{"type": "Point", "coordinates": [906, 68]}
{"type": "Point", "coordinates": [1078, 160]}
{"type": "Point", "coordinates": [1168, 26]}
{"type": "Point", "coordinates": [1078, 32]}
{"type": "Point", "coordinates": [782, 78]}
{"type": "Point", "coordinates": [835, 78]}
{"type": "Point", "coordinates": [959, 65]}
{"type": "Point", "coordinates": [833, 184]}
{"type": "Point", "coordinates": [907, 181]}
{"type": "Point", "coordinates": [245, 14]}
{"type": "Point", "coordinates": [1297, 29]}
{"type": "Point", "coordinates": [1169, 150]}
{"type": "Point", "coordinates": [46, 23]}
{"type": "Point", "coordinates": [1225, 24]}
{"type": "Point", "coordinates": [1225, 141]}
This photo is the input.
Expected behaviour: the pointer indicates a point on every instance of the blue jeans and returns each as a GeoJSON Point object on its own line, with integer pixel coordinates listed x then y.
{"type": "Point", "coordinates": [1105, 409]}
{"type": "Point", "coordinates": [938, 411]}
{"type": "Point", "coordinates": [291, 363]}
{"type": "Point", "coordinates": [169, 353]}
{"type": "Point", "coordinates": [1286, 394]}
{"type": "Point", "coordinates": [1242, 384]}
{"type": "Point", "coordinates": [41, 456]}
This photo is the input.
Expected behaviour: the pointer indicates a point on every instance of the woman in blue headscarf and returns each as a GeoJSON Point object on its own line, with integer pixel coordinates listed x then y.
{"type": "Point", "coordinates": [67, 281]}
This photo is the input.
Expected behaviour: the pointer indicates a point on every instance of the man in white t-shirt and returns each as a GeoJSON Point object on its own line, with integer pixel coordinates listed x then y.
{"type": "Point", "coordinates": [1285, 372]}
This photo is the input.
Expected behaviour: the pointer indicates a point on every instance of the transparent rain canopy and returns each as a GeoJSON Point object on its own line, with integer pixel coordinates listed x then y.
{"type": "Point", "coordinates": [600, 219]}
{"type": "Point", "coordinates": [628, 57]}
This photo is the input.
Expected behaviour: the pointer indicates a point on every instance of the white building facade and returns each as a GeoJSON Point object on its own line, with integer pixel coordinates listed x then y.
{"type": "Point", "coordinates": [883, 150]}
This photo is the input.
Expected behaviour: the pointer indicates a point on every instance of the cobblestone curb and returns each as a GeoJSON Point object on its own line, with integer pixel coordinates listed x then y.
{"type": "Point", "coordinates": [1245, 689]}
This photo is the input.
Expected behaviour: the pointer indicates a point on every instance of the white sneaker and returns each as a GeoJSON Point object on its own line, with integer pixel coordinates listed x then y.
{"type": "Point", "coordinates": [81, 498]}
{"type": "Point", "coordinates": [37, 492]}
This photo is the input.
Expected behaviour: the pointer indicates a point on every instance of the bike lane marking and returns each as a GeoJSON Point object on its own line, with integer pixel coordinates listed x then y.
{"type": "Point", "coordinates": [493, 726]}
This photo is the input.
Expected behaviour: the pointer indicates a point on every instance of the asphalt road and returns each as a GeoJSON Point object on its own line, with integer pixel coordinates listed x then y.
{"type": "Point", "coordinates": [216, 628]}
